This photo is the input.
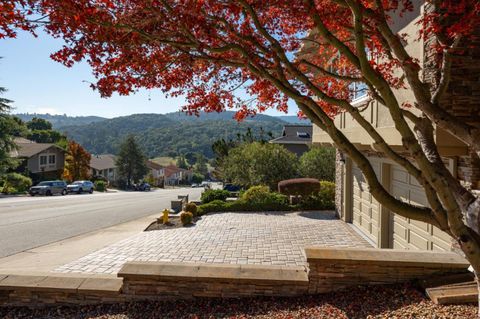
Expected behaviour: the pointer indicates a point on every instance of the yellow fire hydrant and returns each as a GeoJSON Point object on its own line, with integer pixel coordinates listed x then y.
{"type": "Point", "coordinates": [165, 215]}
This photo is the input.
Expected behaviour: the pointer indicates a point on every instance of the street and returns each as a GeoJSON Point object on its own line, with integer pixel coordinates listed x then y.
{"type": "Point", "coordinates": [28, 222]}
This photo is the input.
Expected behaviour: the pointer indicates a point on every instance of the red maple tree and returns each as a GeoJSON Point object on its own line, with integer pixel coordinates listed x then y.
{"type": "Point", "coordinates": [309, 52]}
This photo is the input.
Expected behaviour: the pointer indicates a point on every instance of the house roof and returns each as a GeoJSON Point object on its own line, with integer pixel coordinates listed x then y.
{"type": "Point", "coordinates": [102, 161]}
{"type": "Point", "coordinates": [295, 134]}
{"type": "Point", "coordinates": [153, 165]}
{"type": "Point", "coordinates": [27, 148]}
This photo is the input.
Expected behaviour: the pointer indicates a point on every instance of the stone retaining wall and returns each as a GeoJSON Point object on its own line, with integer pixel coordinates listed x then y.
{"type": "Point", "coordinates": [330, 269]}
{"type": "Point", "coordinates": [165, 280]}
{"type": "Point", "coordinates": [35, 291]}
{"type": "Point", "coordinates": [338, 269]}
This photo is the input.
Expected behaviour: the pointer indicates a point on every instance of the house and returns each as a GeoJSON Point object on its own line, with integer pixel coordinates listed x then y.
{"type": "Point", "coordinates": [156, 172]}
{"type": "Point", "coordinates": [295, 138]}
{"type": "Point", "coordinates": [104, 166]}
{"type": "Point", "coordinates": [354, 202]}
{"type": "Point", "coordinates": [41, 160]}
{"type": "Point", "coordinates": [173, 175]}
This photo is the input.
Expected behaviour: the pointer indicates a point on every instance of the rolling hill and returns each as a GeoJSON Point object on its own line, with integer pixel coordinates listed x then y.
{"type": "Point", "coordinates": [167, 134]}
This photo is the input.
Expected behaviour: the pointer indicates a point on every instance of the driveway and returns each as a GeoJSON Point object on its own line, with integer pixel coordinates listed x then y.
{"type": "Point", "coordinates": [28, 222]}
{"type": "Point", "coordinates": [233, 238]}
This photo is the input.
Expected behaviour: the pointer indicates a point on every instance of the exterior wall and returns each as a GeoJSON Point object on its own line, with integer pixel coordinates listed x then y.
{"type": "Point", "coordinates": [297, 149]}
{"type": "Point", "coordinates": [33, 163]}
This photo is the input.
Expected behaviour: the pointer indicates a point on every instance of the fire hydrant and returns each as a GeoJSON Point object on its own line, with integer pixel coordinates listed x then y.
{"type": "Point", "coordinates": [165, 215]}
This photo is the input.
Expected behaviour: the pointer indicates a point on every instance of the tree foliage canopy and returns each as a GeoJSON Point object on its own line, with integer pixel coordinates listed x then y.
{"type": "Point", "coordinates": [319, 163]}
{"type": "Point", "coordinates": [258, 163]}
{"type": "Point", "coordinates": [77, 162]}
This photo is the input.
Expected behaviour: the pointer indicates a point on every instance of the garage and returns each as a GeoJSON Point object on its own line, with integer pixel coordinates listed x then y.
{"type": "Point", "coordinates": [407, 233]}
{"type": "Point", "coordinates": [365, 209]}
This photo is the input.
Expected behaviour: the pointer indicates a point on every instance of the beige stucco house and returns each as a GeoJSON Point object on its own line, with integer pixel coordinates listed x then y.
{"type": "Point", "coordinates": [354, 202]}
{"type": "Point", "coordinates": [40, 160]}
{"type": "Point", "coordinates": [104, 166]}
{"type": "Point", "coordinates": [295, 138]}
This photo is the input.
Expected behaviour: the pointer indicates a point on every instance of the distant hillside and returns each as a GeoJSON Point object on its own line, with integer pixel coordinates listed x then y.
{"type": "Point", "coordinates": [293, 119]}
{"type": "Point", "coordinates": [59, 121]}
{"type": "Point", "coordinates": [168, 134]}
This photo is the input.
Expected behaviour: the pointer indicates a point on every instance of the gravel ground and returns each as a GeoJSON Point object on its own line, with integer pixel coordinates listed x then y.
{"type": "Point", "coordinates": [378, 302]}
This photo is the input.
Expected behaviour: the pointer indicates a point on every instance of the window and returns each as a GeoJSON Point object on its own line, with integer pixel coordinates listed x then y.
{"type": "Point", "coordinates": [51, 159]}
{"type": "Point", "coordinates": [43, 160]}
{"type": "Point", "coordinates": [359, 90]}
{"type": "Point", "coordinates": [303, 135]}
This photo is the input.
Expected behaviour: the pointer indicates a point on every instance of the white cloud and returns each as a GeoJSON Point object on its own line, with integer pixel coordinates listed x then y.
{"type": "Point", "coordinates": [44, 110]}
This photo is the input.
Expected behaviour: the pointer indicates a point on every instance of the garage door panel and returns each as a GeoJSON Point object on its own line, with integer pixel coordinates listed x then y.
{"type": "Point", "coordinates": [408, 233]}
{"type": "Point", "coordinates": [365, 207]}
{"type": "Point", "coordinates": [420, 227]}
{"type": "Point", "coordinates": [418, 241]}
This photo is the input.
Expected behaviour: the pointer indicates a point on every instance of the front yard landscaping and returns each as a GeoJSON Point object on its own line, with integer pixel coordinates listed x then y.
{"type": "Point", "coordinates": [398, 301]}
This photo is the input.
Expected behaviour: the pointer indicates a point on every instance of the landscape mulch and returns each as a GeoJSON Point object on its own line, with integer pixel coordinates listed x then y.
{"type": "Point", "coordinates": [397, 301]}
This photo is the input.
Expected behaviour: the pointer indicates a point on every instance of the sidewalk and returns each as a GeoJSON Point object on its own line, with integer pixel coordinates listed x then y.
{"type": "Point", "coordinates": [45, 259]}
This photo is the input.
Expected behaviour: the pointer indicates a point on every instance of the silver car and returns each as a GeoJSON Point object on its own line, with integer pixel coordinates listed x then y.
{"type": "Point", "coordinates": [49, 188]}
{"type": "Point", "coordinates": [80, 187]}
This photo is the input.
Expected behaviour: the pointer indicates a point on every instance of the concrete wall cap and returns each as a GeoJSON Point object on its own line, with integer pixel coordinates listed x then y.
{"type": "Point", "coordinates": [387, 257]}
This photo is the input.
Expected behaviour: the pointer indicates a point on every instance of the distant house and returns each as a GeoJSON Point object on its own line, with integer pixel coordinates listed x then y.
{"type": "Point", "coordinates": [104, 166]}
{"type": "Point", "coordinates": [173, 175]}
{"type": "Point", "coordinates": [295, 138]}
{"type": "Point", "coordinates": [40, 160]}
{"type": "Point", "coordinates": [156, 171]}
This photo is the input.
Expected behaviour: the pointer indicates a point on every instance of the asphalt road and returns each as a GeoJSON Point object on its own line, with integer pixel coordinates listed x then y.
{"type": "Point", "coordinates": [29, 222]}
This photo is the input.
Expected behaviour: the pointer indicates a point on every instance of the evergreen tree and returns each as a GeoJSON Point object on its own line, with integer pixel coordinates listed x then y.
{"type": "Point", "coordinates": [8, 126]}
{"type": "Point", "coordinates": [131, 161]}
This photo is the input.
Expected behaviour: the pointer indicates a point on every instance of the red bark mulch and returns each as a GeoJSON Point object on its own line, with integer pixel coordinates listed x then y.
{"type": "Point", "coordinates": [363, 302]}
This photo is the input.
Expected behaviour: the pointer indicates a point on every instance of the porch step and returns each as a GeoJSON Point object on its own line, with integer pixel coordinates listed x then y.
{"type": "Point", "coordinates": [454, 294]}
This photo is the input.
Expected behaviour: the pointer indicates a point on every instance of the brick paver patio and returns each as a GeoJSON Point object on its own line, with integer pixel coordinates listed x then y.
{"type": "Point", "coordinates": [234, 238]}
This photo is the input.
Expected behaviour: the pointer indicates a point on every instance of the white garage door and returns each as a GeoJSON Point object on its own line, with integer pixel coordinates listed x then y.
{"type": "Point", "coordinates": [365, 207]}
{"type": "Point", "coordinates": [407, 233]}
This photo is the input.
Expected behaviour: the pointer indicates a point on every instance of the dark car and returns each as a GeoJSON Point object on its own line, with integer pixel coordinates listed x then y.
{"type": "Point", "coordinates": [142, 187]}
{"type": "Point", "coordinates": [49, 188]}
{"type": "Point", "coordinates": [231, 188]}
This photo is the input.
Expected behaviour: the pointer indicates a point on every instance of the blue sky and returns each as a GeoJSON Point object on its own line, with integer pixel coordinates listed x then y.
{"type": "Point", "coordinates": [38, 84]}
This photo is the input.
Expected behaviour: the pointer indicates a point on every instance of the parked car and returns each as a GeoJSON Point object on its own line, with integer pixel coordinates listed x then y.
{"type": "Point", "coordinates": [80, 187]}
{"type": "Point", "coordinates": [231, 188]}
{"type": "Point", "coordinates": [194, 185]}
{"type": "Point", "coordinates": [49, 188]}
{"type": "Point", "coordinates": [142, 187]}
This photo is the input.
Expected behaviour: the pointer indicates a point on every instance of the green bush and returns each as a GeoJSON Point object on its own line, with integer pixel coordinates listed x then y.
{"type": "Point", "coordinates": [15, 183]}
{"type": "Point", "coordinates": [214, 194]}
{"type": "Point", "coordinates": [303, 187]}
{"type": "Point", "coordinates": [213, 206]}
{"type": "Point", "coordinates": [186, 218]}
{"type": "Point", "coordinates": [261, 196]}
{"type": "Point", "coordinates": [192, 208]}
{"type": "Point", "coordinates": [323, 200]}
{"type": "Point", "coordinates": [100, 186]}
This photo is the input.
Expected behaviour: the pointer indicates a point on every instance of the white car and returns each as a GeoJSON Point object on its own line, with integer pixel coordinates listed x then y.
{"type": "Point", "coordinates": [80, 187]}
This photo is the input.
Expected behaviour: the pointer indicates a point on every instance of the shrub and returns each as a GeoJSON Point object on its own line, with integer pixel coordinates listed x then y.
{"type": "Point", "coordinates": [303, 187]}
{"type": "Point", "coordinates": [15, 183]}
{"type": "Point", "coordinates": [261, 197]}
{"type": "Point", "coordinates": [100, 186]}
{"type": "Point", "coordinates": [324, 199]}
{"type": "Point", "coordinates": [327, 194]}
{"type": "Point", "coordinates": [192, 208]}
{"type": "Point", "coordinates": [214, 194]}
{"type": "Point", "coordinates": [213, 206]}
{"type": "Point", "coordinates": [186, 218]}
